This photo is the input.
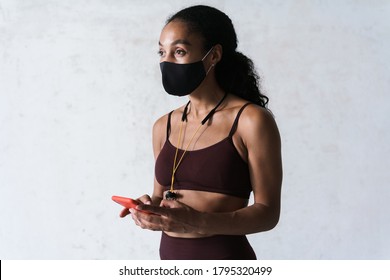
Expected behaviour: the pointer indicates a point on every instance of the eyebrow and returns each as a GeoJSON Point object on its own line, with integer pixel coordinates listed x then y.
{"type": "Point", "coordinates": [179, 41]}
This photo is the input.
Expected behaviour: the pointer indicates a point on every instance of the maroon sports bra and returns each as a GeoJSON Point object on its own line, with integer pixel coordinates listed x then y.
{"type": "Point", "coordinates": [218, 168]}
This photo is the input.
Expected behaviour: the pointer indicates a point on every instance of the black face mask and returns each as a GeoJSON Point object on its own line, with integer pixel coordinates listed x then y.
{"type": "Point", "coordinates": [182, 79]}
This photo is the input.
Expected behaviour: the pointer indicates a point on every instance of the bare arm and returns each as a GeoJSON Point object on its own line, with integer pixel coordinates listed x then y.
{"type": "Point", "coordinates": [159, 135]}
{"type": "Point", "coordinates": [157, 195]}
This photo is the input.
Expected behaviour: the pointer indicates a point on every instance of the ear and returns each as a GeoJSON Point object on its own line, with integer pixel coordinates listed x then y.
{"type": "Point", "coordinates": [216, 54]}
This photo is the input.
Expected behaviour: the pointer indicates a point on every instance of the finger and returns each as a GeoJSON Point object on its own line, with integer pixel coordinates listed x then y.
{"type": "Point", "coordinates": [147, 221]}
{"type": "Point", "coordinates": [170, 203]}
{"type": "Point", "coordinates": [145, 199]}
{"type": "Point", "coordinates": [134, 216]}
{"type": "Point", "coordinates": [124, 213]}
{"type": "Point", "coordinates": [151, 209]}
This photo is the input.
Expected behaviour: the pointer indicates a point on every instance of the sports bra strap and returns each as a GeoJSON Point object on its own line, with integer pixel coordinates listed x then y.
{"type": "Point", "coordinates": [169, 125]}
{"type": "Point", "coordinates": [232, 131]}
{"type": "Point", "coordinates": [235, 124]}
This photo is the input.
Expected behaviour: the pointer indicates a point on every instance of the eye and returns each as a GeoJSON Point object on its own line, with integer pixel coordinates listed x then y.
{"type": "Point", "coordinates": [160, 53]}
{"type": "Point", "coordinates": [180, 52]}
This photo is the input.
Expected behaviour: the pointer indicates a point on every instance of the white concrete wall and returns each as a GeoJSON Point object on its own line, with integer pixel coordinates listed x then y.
{"type": "Point", "coordinates": [80, 89]}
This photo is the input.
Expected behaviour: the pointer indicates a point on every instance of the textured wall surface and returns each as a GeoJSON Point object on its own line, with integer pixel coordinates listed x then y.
{"type": "Point", "coordinates": [80, 90]}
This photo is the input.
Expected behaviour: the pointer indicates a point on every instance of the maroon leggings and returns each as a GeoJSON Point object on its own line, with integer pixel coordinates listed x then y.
{"type": "Point", "coordinates": [218, 247]}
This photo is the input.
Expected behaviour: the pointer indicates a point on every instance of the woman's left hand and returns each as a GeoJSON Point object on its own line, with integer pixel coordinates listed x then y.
{"type": "Point", "coordinates": [170, 216]}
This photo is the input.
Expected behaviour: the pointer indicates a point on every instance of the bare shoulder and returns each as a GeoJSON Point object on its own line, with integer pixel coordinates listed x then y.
{"type": "Point", "coordinates": [160, 128]}
{"type": "Point", "coordinates": [257, 113]}
{"type": "Point", "coordinates": [159, 132]}
{"type": "Point", "coordinates": [160, 124]}
{"type": "Point", "coordinates": [258, 123]}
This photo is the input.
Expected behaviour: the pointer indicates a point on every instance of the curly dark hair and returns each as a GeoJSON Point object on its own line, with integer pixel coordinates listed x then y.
{"type": "Point", "coordinates": [235, 73]}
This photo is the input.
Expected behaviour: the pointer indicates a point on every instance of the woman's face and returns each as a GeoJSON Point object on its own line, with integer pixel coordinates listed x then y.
{"type": "Point", "coordinates": [177, 45]}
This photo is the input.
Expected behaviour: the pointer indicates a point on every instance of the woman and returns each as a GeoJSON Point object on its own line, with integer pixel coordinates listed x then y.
{"type": "Point", "coordinates": [212, 152]}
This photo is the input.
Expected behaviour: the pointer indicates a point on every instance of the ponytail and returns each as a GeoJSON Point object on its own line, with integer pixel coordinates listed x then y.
{"type": "Point", "coordinates": [235, 74]}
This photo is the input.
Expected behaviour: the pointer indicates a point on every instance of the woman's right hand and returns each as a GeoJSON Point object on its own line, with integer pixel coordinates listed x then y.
{"type": "Point", "coordinates": [145, 199]}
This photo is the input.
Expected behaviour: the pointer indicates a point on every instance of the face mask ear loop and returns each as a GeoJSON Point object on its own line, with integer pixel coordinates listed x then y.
{"type": "Point", "coordinates": [207, 53]}
{"type": "Point", "coordinates": [212, 65]}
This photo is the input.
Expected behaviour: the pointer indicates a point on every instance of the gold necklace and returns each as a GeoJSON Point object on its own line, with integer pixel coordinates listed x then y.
{"type": "Point", "coordinates": [171, 194]}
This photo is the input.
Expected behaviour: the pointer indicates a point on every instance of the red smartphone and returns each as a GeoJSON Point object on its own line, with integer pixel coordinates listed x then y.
{"type": "Point", "coordinates": [127, 202]}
